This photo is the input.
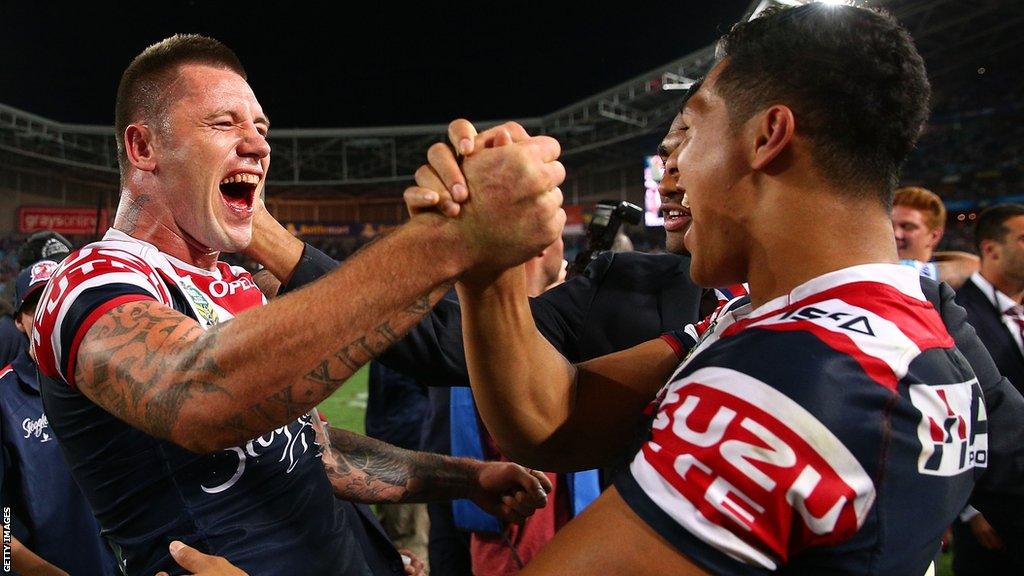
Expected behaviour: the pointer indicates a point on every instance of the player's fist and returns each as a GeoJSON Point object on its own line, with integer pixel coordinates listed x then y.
{"type": "Point", "coordinates": [509, 491]}
{"type": "Point", "coordinates": [514, 209]}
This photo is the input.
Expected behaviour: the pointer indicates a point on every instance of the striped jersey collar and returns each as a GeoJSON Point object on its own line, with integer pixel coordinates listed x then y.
{"type": "Point", "coordinates": [117, 235]}
{"type": "Point", "coordinates": [902, 278]}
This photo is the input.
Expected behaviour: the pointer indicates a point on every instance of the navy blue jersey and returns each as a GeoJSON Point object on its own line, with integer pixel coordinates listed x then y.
{"type": "Point", "coordinates": [265, 505]}
{"type": "Point", "coordinates": [834, 430]}
{"type": "Point", "coordinates": [54, 520]}
{"type": "Point", "coordinates": [12, 341]}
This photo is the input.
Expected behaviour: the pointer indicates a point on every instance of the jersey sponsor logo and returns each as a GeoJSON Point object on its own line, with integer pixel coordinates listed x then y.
{"type": "Point", "coordinates": [756, 461]}
{"type": "Point", "coordinates": [220, 288]}
{"type": "Point", "coordinates": [294, 440]}
{"type": "Point", "coordinates": [842, 320]}
{"type": "Point", "coordinates": [953, 430]}
{"type": "Point", "coordinates": [36, 428]}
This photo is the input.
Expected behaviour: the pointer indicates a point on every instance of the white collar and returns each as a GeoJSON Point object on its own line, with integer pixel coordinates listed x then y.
{"type": "Point", "coordinates": [1003, 301]}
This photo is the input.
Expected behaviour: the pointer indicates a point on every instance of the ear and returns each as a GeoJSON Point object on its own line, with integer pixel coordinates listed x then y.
{"type": "Point", "coordinates": [138, 145]}
{"type": "Point", "coordinates": [937, 235]}
{"type": "Point", "coordinates": [773, 132]}
{"type": "Point", "coordinates": [18, 322]}
{"type": "Point", "coordinates": [988, 249]}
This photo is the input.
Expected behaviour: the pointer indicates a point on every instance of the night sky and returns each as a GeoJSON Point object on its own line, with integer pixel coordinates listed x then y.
{"type": "Point", "coordinates": [313, 65]}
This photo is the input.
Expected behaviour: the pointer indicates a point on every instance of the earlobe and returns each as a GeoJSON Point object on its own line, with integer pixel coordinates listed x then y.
{"type": "Point", "coordinates": [138, 145]}
{"type": "Point", "coordinates": [775, 130]}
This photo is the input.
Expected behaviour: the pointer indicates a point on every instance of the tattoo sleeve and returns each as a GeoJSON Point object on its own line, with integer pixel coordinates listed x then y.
{"type": "Point", "coordinates": [137, 344]}
{"type": "Point", "coordinates": [365, 470]}
{"type": "Point", "coordinates": [207, 390]}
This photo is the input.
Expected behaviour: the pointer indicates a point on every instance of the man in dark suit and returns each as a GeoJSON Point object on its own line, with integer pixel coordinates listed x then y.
{"type": "Point", "coordinates": [992, 297]}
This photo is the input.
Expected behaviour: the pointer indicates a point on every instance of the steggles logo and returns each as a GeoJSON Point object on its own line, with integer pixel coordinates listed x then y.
{"type": "Point", "coordinates": [35, 428]}
{"type": "Point", "coordinates": [291, 451]}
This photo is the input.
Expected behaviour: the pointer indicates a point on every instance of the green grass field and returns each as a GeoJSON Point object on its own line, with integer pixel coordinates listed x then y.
{"type": "Point", "coordinates": [346, 408]}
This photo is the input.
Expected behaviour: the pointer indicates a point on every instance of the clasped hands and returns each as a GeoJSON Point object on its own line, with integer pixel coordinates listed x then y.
{"type": "Point", "coordinates": [503, 196]}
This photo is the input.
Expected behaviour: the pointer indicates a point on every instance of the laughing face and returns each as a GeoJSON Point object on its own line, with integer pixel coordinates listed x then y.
{"type": "Point", "coordinates": [673, 205]}
{"type": "Point", "coordinates": [212, 157]}
{"type": "Point", "coordinates": [713, 178]}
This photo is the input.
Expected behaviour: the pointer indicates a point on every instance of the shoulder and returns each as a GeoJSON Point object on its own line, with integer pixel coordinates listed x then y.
{"type": "Point", "coordinates": [969, 291]}
{"type": "Point", "coordinates": [88, 283]}
{"type": "Point", "coordinates": [640, 273]}
{"type": "Point", "coordinates": [97, 273]}
{"type": "Point", "coordinates": [978, 304]}
{"type": "Point", "coordinates": [106, 263]}
{"type": "Point", "coordinates": [798, 359]}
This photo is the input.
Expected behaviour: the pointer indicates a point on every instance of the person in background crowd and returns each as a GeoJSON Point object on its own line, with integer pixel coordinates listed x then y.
{"type": "Point", "coordinates": [992, 297]}
{"type": "Point", "coordinates": [918, 221]}
{"type": "Point", "coordinates": [396, 407]}
{"type": "Point", "coordinates": [43, 245]}
{"type": "Point", "coordinates": [498, 548]}
{"type": "Point", "coordinates": [55, 529]}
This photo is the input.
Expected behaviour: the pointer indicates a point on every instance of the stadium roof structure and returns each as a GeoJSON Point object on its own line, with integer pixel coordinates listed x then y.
{"type": "Point", "coordinates": [603, 137]}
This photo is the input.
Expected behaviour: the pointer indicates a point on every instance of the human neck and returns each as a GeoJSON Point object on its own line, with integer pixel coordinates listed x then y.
{"type": "Point", "coordinates": [1009, 286]}
{"type": "Point", "coordinates": [926, 256]}
{"type": "Point", "coordinates": [141, 217]}
{"type": "Point", "coordinates": [813, 235]}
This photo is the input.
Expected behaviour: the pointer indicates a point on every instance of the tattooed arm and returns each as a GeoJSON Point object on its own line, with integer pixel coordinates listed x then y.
{"type": "Point", "coordinates": [362, 469]}
{"type": "Point", "coordinates": [209, 389]}
{"type": "Point", "coordinates": [206, 390]}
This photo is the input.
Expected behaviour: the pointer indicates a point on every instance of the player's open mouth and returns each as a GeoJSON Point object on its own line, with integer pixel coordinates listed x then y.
{"type": "Point", "coordinates": [239, 191]}
{"type": "Point", "coordinates": [677, 217]}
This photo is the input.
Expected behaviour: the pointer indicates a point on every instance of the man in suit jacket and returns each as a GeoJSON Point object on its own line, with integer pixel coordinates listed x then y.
{"type": "Point", "coordinates": [992, 297]}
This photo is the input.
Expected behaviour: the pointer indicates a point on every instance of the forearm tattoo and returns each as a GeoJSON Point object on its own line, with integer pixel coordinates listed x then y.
{"type": "Point", "coordinates": [366, 470]}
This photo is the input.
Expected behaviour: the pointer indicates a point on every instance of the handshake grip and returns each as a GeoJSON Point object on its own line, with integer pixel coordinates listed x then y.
{"type": "Point", "coordinates": [608, 217]}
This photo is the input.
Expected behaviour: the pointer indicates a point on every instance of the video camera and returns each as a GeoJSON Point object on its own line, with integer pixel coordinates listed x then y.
{"type": "Point", "coordinates": [604, 225]}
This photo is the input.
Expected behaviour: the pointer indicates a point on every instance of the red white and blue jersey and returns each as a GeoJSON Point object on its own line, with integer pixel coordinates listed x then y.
{"type": "Point", "coordinates": [265, 505]}
{"type": "Point", "coordinates": [833, 430]}
{"type": "Point", "coordinates": [121, 269]}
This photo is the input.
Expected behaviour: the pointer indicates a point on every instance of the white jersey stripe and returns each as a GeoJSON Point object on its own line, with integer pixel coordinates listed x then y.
{"type": "Point", "coordinates": [662, 493]}
{"type": "Point", "coordinates": [873, 335]}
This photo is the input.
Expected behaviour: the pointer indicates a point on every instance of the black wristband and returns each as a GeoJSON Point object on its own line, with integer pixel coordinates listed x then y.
{"type": "Point", "coordinates": [312, 265]}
